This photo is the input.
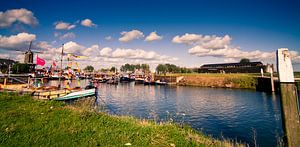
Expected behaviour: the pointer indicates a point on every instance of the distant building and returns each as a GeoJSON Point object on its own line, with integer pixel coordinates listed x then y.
{"type": "Point", "coordinates": [249, 67]}
{"type": "Point", "coordinates": [28, 57]}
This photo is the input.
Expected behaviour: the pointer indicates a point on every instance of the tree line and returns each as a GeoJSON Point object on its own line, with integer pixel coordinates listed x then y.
{"type": "Point", "coordinates": [133, 67]}
{"type": "Point", "coordinates": [172, 68]}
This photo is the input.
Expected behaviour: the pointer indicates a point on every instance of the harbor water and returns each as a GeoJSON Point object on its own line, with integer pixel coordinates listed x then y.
{"type": "Point", "coordinates": [245, 116]}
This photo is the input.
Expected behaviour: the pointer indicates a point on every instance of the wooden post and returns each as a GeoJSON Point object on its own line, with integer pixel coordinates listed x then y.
{"type": "Point", "coordinates": [4, 82]}
{"type": "Point", "coordinates": [272, 80]}
{"type": "Point", "coordinates": [289, 99]}
{"type": "Point", "coordinates": [28, 82]}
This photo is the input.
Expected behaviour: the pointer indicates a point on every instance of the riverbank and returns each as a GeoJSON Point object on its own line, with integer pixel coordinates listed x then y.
{"type": "Point", "coordinates": [25, 121]}
{"type": "Point", "coordinates": [246, 81]}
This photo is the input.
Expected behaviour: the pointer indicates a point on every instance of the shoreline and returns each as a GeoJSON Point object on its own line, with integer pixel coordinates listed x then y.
{"type": "Point", "coordinates": [27, 121]}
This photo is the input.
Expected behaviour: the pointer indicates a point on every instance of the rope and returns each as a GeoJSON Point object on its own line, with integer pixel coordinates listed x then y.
{"type": "Point", "coordinates": [97, 96]}
{"type": "Point", "coordinates": [18, 80]}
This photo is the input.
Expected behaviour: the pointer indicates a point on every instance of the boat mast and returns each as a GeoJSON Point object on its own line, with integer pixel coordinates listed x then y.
{"type": "Point", "coordinates": [61, 70]}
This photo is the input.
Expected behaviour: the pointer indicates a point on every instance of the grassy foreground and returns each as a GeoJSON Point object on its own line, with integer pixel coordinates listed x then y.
{"type": "Point", "coordinates": [24, 122]}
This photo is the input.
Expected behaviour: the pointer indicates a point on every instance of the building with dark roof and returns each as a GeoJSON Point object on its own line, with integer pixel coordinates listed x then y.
{"type": "Point", "coordinates": [249, 67]}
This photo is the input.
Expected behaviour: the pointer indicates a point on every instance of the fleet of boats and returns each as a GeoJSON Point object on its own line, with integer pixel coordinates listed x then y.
{"type": "Point", "coordinates": [36, 88]}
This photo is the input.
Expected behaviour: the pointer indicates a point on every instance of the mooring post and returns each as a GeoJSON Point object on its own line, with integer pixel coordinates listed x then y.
{"type": "Point", "coordinates": [4, 82]}
{"type": "Point", "coordinates": [28, 82]}
{"type": "Point", "coordinates": [289, 99]}
{"type": "Point", "coordinates": [272, 80]}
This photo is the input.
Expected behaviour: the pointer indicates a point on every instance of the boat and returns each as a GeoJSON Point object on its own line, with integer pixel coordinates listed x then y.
{"type": "Point", "coordinates": [56, 77]}
{"type": "Point", "coordinates": [125, 78]}
{"type": "Point", "coordinates": [100, 80]}
{"type": "Point", "coordinates": [139, 81]}
{"type": "Point", "coordinates": [49, 94]}
{"type": "Point", "coordinates": [158, 82]}
{"type": "Point", "coordinates": [78, 94]}
{"type": "Point", "coordinates": [112, 81]}
{"type": "Point", "coordinates": [149, 82]}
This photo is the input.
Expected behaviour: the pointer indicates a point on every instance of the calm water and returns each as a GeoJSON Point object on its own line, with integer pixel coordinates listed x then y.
{"type": "Point", "coordinates": [234, 114]}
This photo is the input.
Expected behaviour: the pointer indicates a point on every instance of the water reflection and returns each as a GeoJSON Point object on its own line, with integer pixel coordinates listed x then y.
{"type": "Point", "coordinates": [231, 113]}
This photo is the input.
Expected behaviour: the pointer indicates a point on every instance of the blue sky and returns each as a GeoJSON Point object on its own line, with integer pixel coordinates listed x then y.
{"type": "Point", "coordinates": [261, 26]}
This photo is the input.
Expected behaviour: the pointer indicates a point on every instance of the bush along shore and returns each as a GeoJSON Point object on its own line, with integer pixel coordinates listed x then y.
{"type": "Point", "coordinates": [26, 122]}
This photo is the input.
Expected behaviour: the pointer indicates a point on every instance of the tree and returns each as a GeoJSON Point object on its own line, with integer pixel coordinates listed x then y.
{"type": "Point", "coordinates": [89, 68]}
{"type": "Point", "coordinates": [145, 67]}
{"type": "Point", "coordinates": [133, 67]}
{"type": "Point", "coordinates": [161, 68]}
{"type": "Point", "coordinates": [103, 70]}
{"type": "Point", "coordinates": [19, 68]}
{"type": "Point", "coordinates": [244, 60]}
{"type": "Point", "coordinates": [185, 70]}
{"type": "Point", "coordinates": [113, 69]}
{"type": "Point", "coordinates": [4, 68]}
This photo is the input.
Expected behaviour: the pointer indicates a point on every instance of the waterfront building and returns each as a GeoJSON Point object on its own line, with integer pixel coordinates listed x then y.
{"type": "Point", "coordinates": [248, 67]}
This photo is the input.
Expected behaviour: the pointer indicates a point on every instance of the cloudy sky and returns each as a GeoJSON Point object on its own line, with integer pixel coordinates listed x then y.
{"type": "Point", "coordinates": [186, 33]}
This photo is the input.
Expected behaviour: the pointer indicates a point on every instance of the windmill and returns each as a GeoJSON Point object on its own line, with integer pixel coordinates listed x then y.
{"type": "Point", "coordinates": [28, 59]}
{"type": "Point", "coordinates": [28, 55]}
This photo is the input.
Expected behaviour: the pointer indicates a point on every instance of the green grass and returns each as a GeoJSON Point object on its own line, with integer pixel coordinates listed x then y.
{"type": "Point", "coordinates": [211, 74]}
{"type": "Point", "coordinates": [248, 82]}
{"type": "Point", "coordinates": [238, 80]}
{"type": "Point", "coordinates": [27, 122]}
{"type": "Point", "coordinates": [297, 74]}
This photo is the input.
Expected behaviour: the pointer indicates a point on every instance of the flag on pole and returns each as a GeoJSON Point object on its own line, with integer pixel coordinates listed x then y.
{"type": "Point", "coordinates": [40, 61]}
{"type": "Point", "coordinates": [53, 63]}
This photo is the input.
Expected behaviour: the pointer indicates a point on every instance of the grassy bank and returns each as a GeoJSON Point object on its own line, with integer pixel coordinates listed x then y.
{"type": "Point", "coordinates": [24, 122]}
{"type": "Point", "coordinates": [219, 80]}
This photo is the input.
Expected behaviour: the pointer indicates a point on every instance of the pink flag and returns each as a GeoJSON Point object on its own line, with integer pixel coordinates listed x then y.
{"type": "Point", "coordinates": [40, 61]}
{"type": "Point", "coordinates": [53, 63]}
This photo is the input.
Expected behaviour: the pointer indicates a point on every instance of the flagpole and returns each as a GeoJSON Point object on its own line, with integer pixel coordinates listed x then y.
{"type": "Point", "coordinates": [61, 70]}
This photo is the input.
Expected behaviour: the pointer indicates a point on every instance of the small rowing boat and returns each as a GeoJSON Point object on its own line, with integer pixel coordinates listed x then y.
{"type": "Point", "coordinates": [77, 94]}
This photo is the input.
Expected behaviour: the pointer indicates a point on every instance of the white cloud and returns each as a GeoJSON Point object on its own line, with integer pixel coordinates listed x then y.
{"type": "Point", "coordinates": [88, 23]}
{"type": "Point", "coordinates": [216, 42]}
{"type": "Point", "coordinates": [64, 26]}
{"type": "Point", "coordinates": [230, 60]}
{"type": "Point", "coordinates": [131, 35]}
{"type": "Point", "coordinates": [91, 51]}
{"type": "Point", "coordinates": [22, 15]}
{"type": "Point", "coordinates": [231, 52]}
{"type": "Point", "coordinates": [96, 56]}
{"type": "Point", "coordinates": [211, 42]}
{"type": "Point", "coordinates": [218, 46]}
{"type": "Point", "coordinates": [57, 34]}
{"type": "Point", "coordinates": [42, 45]}
{"type": "Point", "coordinates": [295, 56]}
{"type": "Point", "coordinates": [69, 35]}
{"type": "Point", "coordinates": [140, 54]}
{"type": "Point", "coordinates": [18, 41]}
{"type": "Point", "coordinates": [187, 38]}
{"type": "Point", "coordinates": [108, 38]}
{"type": "Point", "coordinates": [153, 36]}
{"type": "Point", "coordinates": [73, 47]}
{"type": "Point", "coordinates": [4, 56]}
{"type": "Point", "coordinates": [106, 52]}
